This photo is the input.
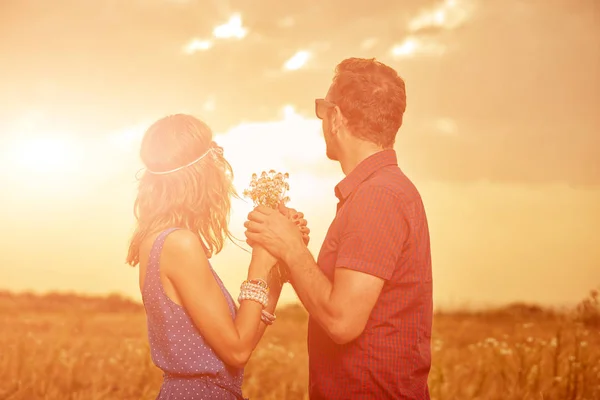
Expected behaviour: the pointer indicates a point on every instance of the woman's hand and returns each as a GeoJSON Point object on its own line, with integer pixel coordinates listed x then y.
{"type": "Point", "coordinates": [261, 263]}
{"type": "Point", "coordinates": [305, 233]}
{"type": "Point", "coordinates": [262, 258]}
{"type": "Point", "coordinates": [298, 218]}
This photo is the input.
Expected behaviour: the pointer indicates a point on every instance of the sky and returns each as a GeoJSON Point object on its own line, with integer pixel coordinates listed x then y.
{"type": "Point", "coordinates": [501, 134]}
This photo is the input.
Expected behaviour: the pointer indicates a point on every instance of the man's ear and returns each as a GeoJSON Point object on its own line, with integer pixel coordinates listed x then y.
{"type": "Point", "coordinates": [337, 120]}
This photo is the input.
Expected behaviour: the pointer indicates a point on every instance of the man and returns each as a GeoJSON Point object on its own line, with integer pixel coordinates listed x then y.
{"type": "Point", "coordinates": [369, 295]}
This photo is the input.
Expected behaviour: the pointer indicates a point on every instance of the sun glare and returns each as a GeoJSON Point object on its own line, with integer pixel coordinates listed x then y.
{"type": "Point", "coordinates": [46, 156]}
{"type": "Point", "coordinates": [292, 143]}
{"type": "Point", "coordinates": [52, 163]}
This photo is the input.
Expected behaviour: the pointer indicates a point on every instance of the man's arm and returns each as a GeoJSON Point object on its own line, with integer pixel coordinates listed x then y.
{"type": "Point", "coordinates": [341, 309]}
{"type": "Point", "coordinates": [371, 244]}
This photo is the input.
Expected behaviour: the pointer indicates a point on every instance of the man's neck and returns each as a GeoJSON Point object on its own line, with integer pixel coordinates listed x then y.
{"type": "Point", "coordinates": [357, 155]}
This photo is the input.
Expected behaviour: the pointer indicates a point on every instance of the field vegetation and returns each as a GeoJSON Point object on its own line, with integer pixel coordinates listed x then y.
{"type": "Point", "coordinates": [69, 347]}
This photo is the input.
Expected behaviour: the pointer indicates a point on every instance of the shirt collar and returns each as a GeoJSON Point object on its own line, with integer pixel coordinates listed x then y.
{"type": "Point", "coordinates": [363, 170]}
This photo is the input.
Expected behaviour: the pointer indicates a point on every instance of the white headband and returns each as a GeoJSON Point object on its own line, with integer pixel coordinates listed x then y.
{"type": "Point", "coordinates": [212, 149]}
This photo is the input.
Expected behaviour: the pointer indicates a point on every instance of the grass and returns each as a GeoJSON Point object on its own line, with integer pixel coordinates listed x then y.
{"type": "Point", "coordinates": [70, 347]}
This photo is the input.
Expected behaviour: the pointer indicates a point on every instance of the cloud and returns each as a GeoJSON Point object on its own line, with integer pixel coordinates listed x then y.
{"type": "Point", "coordinates": [290, 142]}
{"type": "Point", "coordinates": [517, 80]}
{"type": "Point", "coordinates": [197, 45]}
{"type": "Point", "coordinates": [414, 46]}
{"type": "Point", "coordinates": [232, 29]}
{"type": "Point", "coordinates": [424, 29]}
{"type": "Point", "coordinates": [297, 61]}
{"type": "Point", "coordinates": [447, 15]}
{"type": "Point", "coordinates": [520, 93]}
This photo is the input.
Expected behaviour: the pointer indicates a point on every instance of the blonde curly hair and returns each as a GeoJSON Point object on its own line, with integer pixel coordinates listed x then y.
{"type": "Point", "coordinates": [197, 197]}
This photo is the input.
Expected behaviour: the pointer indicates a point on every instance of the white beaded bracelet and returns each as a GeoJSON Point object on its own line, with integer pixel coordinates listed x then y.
{"type": "Point", "coordinates": [254, 287]}
{"type": "Point", "coordinates": [267, 317]}
{"type": "Point", "coordinates": [260, 297]}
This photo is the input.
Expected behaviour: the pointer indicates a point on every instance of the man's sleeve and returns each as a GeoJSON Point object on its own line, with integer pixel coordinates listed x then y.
{"type": "Point", "coordinates": [374, 233]}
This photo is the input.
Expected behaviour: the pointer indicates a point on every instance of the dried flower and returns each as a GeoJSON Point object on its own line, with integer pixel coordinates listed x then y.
{"type": "Point", "coordinates": [270, 189]}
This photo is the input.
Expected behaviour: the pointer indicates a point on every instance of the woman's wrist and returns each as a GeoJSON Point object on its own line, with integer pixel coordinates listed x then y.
{"type": "Point", "coordinates": [258, 271]}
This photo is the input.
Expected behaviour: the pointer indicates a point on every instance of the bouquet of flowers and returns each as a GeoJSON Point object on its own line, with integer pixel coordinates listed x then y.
{"type": "Point", "coordinates": [270, 189]}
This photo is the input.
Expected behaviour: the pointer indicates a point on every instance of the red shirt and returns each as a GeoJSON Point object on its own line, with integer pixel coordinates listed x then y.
{"type": "Point", "coordinates": [381, 229]}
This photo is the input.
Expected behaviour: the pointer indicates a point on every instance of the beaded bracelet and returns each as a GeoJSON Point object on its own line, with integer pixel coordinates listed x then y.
{"type": "Point", "coordinates": [260, 282]}
{"type": "Point", "coordinates": [254, 293]}
{"type": "Point", "coordinates": [248, 285]}
{"type": "Point", "coordinates": [260, 298]}
{"type": "Point", "coordinates": [267, 317]}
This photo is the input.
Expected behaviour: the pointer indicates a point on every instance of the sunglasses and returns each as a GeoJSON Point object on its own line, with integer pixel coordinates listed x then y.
{"type": "Point", "coordinates": [322, 106]}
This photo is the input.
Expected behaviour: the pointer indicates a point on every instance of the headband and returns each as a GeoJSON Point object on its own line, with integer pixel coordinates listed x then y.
{"type": "Point", "coordinates": [213, 149]}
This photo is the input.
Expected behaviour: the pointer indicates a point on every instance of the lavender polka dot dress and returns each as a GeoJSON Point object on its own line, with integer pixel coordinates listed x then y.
{"type": "Point", "coordinates": [191, 368]}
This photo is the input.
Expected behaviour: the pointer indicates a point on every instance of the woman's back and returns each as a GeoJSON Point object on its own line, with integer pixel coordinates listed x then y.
{"type": "Point", "coordinates": [191, 368]}
{"type": "Point", "coordinates": [196, 335]}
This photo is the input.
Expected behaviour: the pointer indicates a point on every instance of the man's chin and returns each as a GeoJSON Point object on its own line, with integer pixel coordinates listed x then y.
{"type": "Point", "coordinates": [330, 155]}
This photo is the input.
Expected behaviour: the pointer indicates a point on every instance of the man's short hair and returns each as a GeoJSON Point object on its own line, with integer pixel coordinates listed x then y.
{"type": "Point", "coordinates": [372, 98]}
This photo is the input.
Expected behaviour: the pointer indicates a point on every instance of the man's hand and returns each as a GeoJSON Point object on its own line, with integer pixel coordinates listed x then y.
{"type": "Point", "coordinates": [273, 230]}
{"type": "Point", "coordinates": [296, 217]}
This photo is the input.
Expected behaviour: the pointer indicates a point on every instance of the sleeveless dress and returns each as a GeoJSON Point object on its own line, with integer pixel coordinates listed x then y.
{"type": "Point", "coordinates": [191, 368]}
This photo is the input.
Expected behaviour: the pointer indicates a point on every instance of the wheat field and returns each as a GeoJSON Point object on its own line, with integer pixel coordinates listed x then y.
{"type": "Point", "coordinates": [70, 347]}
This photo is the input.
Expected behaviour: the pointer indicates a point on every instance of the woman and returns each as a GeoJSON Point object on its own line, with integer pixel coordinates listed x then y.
{"type": "Point", "coordinates": [196, 335]}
